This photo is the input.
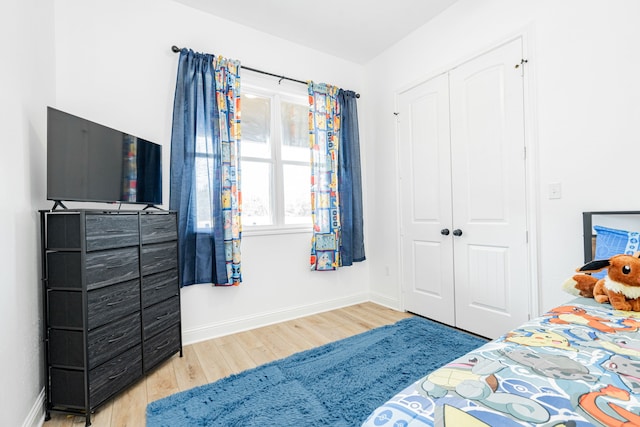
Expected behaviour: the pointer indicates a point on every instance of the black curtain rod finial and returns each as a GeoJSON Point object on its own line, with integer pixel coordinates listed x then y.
{"type": "Point", "coordinates": [175, 49]}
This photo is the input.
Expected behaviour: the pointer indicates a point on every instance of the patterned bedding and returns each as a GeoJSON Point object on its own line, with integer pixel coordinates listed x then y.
{"type": "Point", "coordinates": [577, 365]}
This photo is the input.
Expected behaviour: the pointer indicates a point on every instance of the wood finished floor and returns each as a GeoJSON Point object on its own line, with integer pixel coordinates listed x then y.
{"type": "Point", "coordinates": [208, 361]}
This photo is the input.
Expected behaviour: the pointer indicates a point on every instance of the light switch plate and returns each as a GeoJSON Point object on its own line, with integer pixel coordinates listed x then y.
{"type": "Point", "coordinates": [555, 190]}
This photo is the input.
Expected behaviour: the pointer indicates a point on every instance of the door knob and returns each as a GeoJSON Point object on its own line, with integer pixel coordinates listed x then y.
{"type": "Point", "coordinates": [457, 232]}
{"type": "Point", "coordinates": [444, 231]}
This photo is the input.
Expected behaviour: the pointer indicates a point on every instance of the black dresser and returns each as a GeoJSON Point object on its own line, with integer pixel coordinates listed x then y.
{"type": "Point", "coordinates": [111, 302]}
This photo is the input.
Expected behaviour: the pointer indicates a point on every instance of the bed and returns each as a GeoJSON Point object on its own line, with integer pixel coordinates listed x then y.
{"type": "Point", "coordinates": [576, 365]}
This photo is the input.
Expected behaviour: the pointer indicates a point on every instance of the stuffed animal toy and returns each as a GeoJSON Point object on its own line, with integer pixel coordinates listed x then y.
{"type": "Point", "coordinates": [620, 287]}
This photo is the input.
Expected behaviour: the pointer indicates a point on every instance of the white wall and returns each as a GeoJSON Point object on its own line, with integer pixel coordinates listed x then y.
{"type": "Point", "coordinates": [586, 111]}
{"type": "Point", "coordinates": [26, 85]}
{"type": "Point", "coordinates": [115, 66]}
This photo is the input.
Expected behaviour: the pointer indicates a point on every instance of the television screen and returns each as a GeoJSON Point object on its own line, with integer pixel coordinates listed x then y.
{"type": "Point", "coordinates": [90, 162]}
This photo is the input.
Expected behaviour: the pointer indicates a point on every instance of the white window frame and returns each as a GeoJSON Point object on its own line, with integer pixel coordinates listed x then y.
{"type": "Point", "coordinates": [277, 92]}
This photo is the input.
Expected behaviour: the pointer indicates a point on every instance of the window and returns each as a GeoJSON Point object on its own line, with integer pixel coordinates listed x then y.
{"type": "Point", "coordinates": [275, 153]}
{"type": "Point", "coordinates": [204, 197]}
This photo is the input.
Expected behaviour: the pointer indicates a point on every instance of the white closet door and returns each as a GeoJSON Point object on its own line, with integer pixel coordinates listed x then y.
{"type": "Point", "coordinates": [427, 255]}
{"type": "Point", "coordinates": [489, 205]}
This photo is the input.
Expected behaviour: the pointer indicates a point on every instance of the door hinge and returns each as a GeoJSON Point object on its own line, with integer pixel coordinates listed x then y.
{"type": "Point", "coordinates": [522, 62]}
{"type": "Point", "coordinates": [526, 236]}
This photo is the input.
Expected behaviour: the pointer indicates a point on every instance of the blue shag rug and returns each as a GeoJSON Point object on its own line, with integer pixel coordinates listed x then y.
{"type": "Point", "coordinates": [337, 384]}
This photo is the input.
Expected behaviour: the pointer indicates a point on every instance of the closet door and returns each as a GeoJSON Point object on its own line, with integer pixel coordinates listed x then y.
{"type": "Point", "coordinates": [488, 187]}
{"type": "Point", "coordinates": [425, 197]}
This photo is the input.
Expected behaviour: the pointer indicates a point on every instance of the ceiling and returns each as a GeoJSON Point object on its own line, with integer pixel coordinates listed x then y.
{"type": "Point", "coordinates": [354, 30]}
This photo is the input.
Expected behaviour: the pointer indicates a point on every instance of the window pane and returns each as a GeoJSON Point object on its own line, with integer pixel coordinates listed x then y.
{"type": "Point", "coordinates": [295, 131]}
{"type": "Point", "coordinates": [256, 126]}
{"type": "Point", "coordinates": [203, 194]}
{"type": "Point", "coordinates": [256, 193]}
{"type": "Point", "coordinates": [297, 197]}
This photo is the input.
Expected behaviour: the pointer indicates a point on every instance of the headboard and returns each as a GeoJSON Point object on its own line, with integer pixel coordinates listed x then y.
{"type": "Point", "coordinates": [622, 219]}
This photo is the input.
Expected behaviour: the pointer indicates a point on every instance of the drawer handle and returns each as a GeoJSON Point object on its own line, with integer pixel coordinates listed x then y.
{"type": "Point", "coordinates": [113, 377]}
{"type": "Point", "coordinates": [116, 339]}
{"type": "Point", "coordinates": [111, 304]}
{"type": "Point", "coordinates": [163, 345]}
{"type": "Point", "coordinates": [111, 267]}
{"type": "Point", "coordinates": [163, 316]}
{"type": "Point", "coordinates": [157, 288]}
{"type": "Point", "coordinates": [158, 257]}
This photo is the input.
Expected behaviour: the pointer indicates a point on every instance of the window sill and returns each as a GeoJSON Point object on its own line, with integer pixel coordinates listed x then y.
{"type": "Point", "coordinates": [271, 230]}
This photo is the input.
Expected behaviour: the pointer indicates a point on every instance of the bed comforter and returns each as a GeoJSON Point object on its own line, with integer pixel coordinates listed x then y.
{"type": "Point", "coordinates": [577, 365]}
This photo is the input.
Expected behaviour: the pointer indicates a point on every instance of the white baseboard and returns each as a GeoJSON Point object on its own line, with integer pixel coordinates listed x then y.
{"type": "Point", "coordinates": [35, 418]}
{"type": "Point", "coordinates": [384, 300]}
{"type": "Point", "coordinates": [203, 333]}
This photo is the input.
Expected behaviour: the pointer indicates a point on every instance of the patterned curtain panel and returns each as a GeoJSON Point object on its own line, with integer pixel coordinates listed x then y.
{"type": "Point", "coordinates": [205, 171]}
{"type": "Point", "coordinates": [336, 183]}
{"type": "Point", "coordinates": [324, 134]}
{"type": "Point", "coordinates": [228, 98]}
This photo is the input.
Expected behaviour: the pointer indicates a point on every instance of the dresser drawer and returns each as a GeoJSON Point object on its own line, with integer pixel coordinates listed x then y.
{"type": "Point", "coordinates": [64, 270]}
{"type": "Point", "coordinates": [114, 375]}
{"type": "Point", "coordinates": [65, 309]}
{"type": "Point", "coordinates": [159, 257]}
{"type": "Point", "coordinates": [66, 348]}
{"type": "Point", "coordinates": [66, 388]}
{"type": "Point", "coordinates": [156, 228]}
{"type": "Point", "coordinates": [104, 305]}
{"type": "Point", "coordinates": [112, 339]}
{"type": "Point", "coordinates": [160, 316]}
{"type": "Point", "coordinates": [111, 231]}
{"type": "Point", "coordinates": [159, 287]}
{"type": "Point", "coordinates": [161, 346]}
{"type": "Point", "coordinates": [63, 231]}
{"type": "Point", "coordinates": [111, 266]}
{"type": "Point", "coordinates": [102, 231]}
{"type": "Point", "coordinates": [113, 302]}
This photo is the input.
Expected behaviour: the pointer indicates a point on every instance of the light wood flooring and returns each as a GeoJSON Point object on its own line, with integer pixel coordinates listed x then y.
{"type": "Point", "coordinates": [208, 361]}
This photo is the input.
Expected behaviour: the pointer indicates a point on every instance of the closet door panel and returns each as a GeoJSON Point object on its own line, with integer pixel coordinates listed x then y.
{"type": "Point", "coordinates": [489, 204]}
{"type": "Point", "coordinates": [487, 277]}
{"type": "Point", "coordinates": [425, 196]}
{"type": "Point", "coordinates": [427, 273]}
{"type": "Point", "coordinates": [425, 164]}
{"type": "Point", "coordinates": [481, 150]}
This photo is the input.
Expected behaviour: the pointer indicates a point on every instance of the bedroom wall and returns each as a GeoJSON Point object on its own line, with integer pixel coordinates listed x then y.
{"type": "Point", "coordinates": [114, 65]}
{"type": "Point", "coordinates": [583, 125]}
{"type": "Point", "coordinates": [26, 84]}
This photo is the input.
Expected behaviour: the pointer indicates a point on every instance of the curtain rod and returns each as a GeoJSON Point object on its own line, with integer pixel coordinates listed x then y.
{"type": "Point", "coordinates": [176, 49]}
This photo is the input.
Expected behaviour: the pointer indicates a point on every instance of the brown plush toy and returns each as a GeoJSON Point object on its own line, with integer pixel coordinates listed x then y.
{"type": "Point", "coordinates": [620, 287]}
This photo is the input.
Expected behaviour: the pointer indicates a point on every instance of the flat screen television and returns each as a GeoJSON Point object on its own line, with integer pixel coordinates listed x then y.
{"type": "Point", "coordinates": [90, 162]}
